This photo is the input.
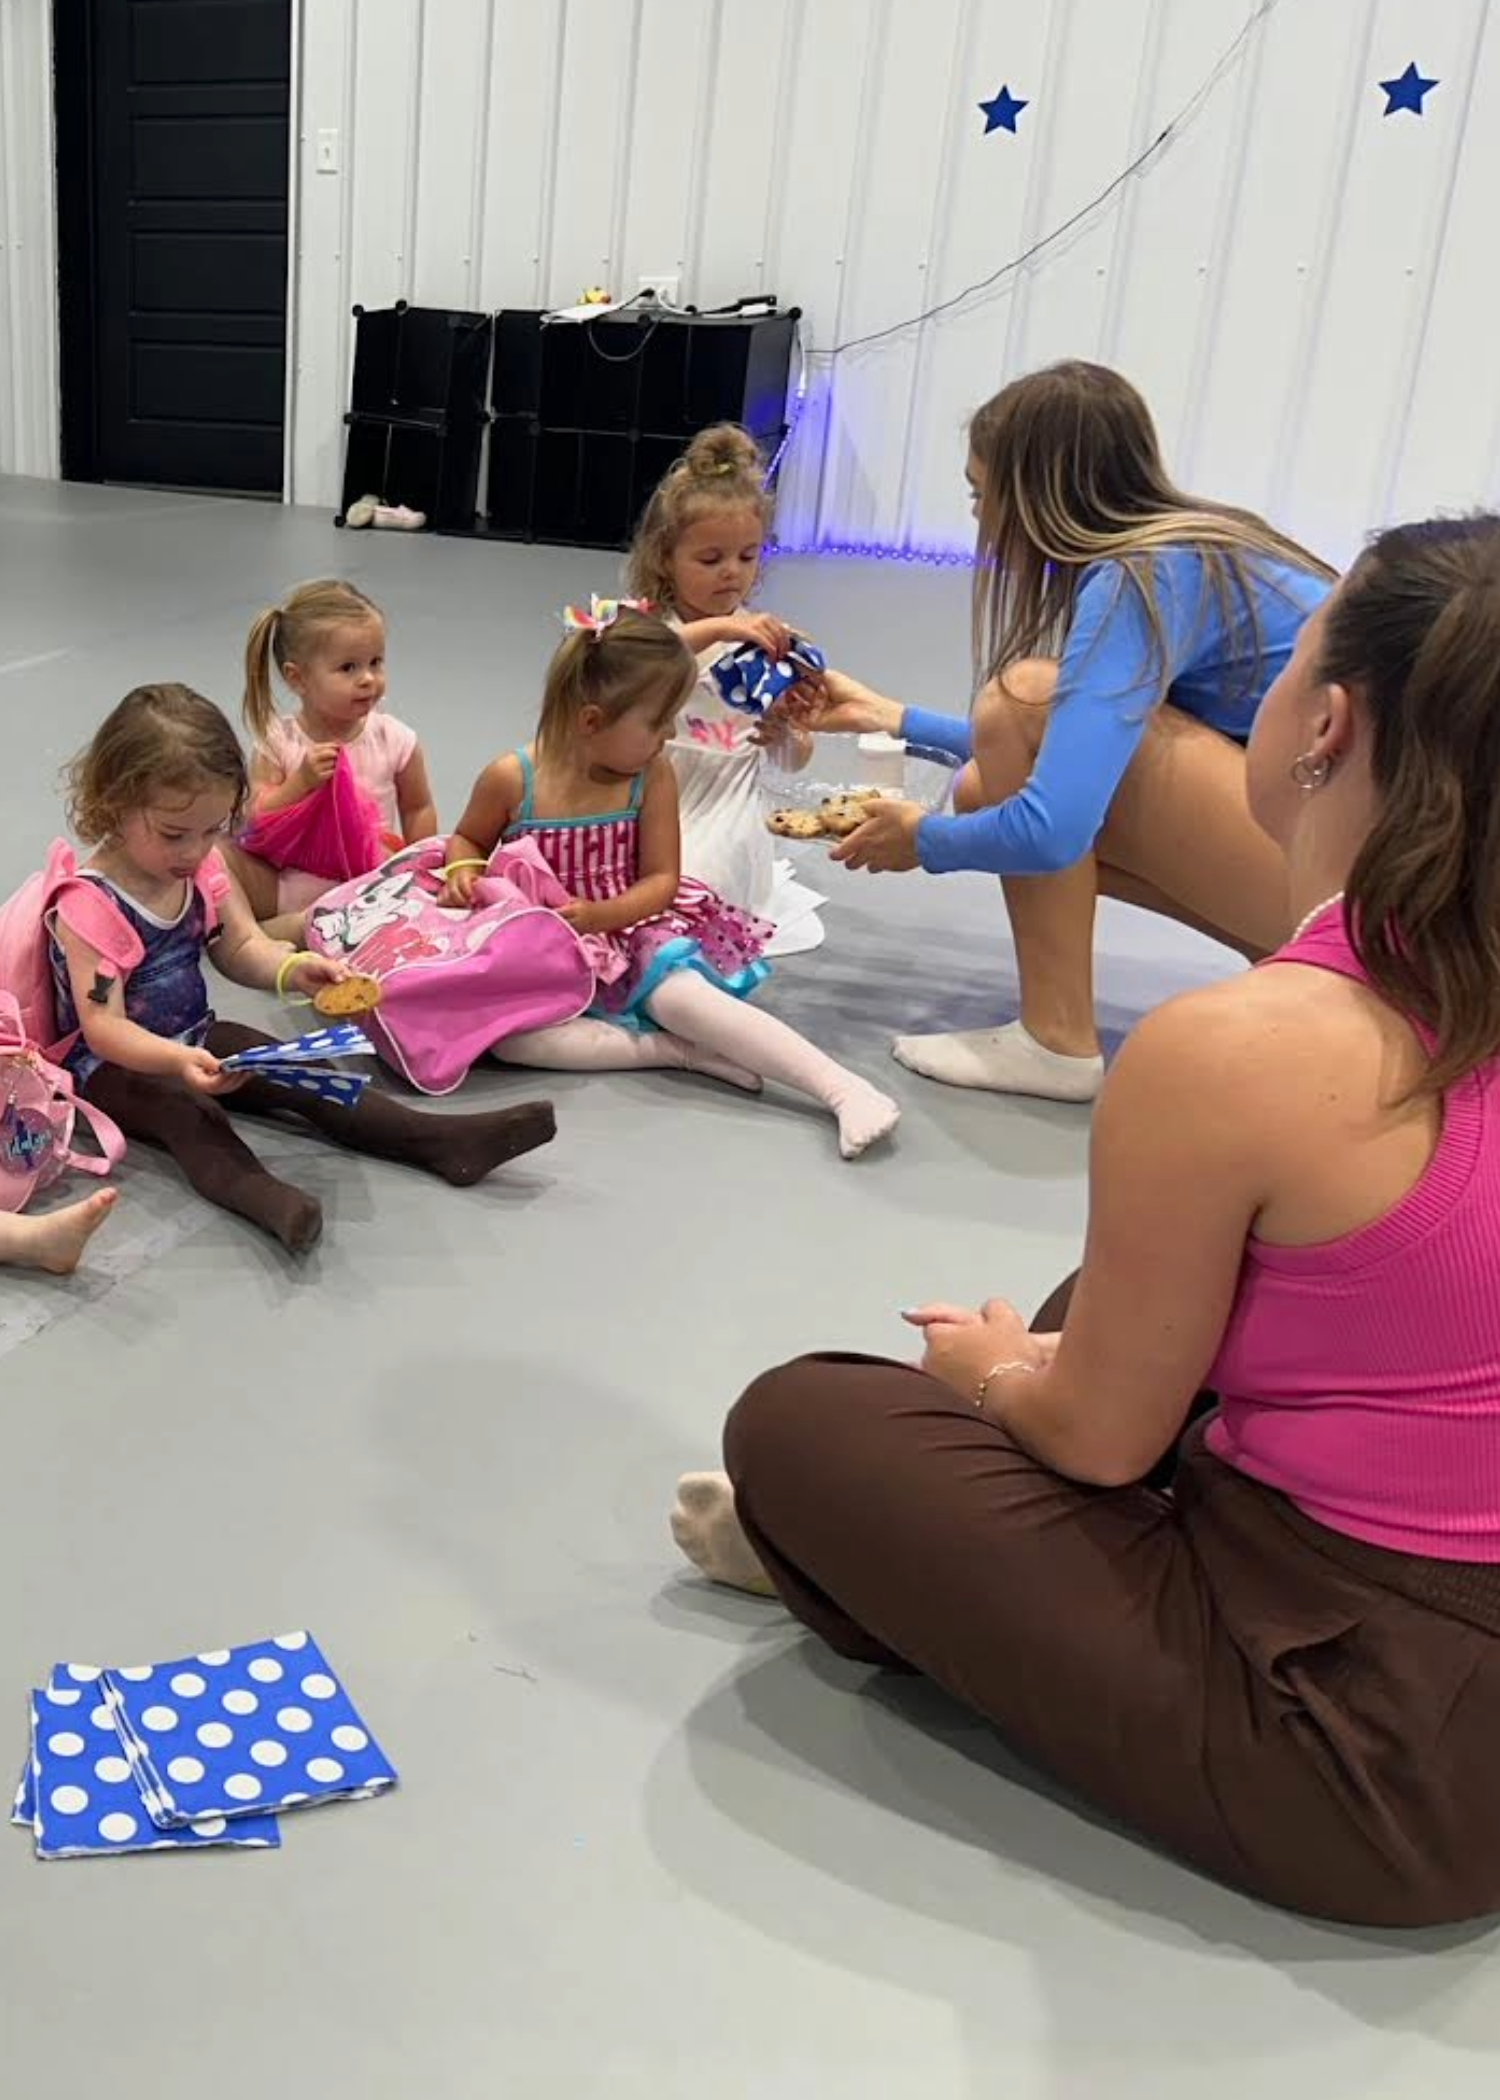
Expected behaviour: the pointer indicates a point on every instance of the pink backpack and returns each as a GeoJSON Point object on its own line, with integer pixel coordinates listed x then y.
{"type": "Point", "coordinates": [88, 910]}
{"type": "Point", "coordinates": [455, 983]}
{"type": "Point", "coordinates": [38, 1115]}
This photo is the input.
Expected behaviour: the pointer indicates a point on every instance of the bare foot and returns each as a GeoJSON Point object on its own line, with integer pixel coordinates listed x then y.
{"type": "Point", "coordinates": [56, 1240]}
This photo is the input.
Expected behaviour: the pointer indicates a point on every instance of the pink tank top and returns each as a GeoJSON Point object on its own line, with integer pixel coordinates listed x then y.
{"type": "Point", "coordinates": [1361, 1377]}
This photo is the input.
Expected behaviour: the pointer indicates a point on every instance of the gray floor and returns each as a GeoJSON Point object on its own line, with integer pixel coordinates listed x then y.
{"type": "Point", "coordinates": [648, 1840]}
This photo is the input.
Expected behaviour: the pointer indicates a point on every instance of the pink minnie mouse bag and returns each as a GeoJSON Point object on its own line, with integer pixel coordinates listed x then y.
{"type": "Point", "coordinates": [334, 832]}
{"type": "Point", "coordinates": [38, 1114]}
{"type": "Point", "coordinates": [455, 983]}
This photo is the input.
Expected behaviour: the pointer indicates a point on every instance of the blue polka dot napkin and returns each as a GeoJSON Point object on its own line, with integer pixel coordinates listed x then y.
{"type": "Point", "coordinates": [300, 1064]}
{"type": "Point", "coordinates": [204, 1750]}
{"type": "Point", "coordinates": [79, 1796]}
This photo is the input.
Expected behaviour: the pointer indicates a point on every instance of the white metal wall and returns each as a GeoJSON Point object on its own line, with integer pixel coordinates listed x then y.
{"type": "Point", "coordinates": [28, 264]}
{"type": "Point", "coordinates": [1305, 289]}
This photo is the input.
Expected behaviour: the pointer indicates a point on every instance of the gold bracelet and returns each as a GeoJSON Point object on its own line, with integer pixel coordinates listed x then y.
{"type": "Point", "coordinates": [995, 1371]}
{"type": "Point", "coordinates": [445, 872]}
{"type": "Point", "coordinates": [297, 955]}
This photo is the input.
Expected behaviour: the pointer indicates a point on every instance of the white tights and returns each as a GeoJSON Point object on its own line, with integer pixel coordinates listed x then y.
{"type": "Point", "coordinates": [708, 1031]}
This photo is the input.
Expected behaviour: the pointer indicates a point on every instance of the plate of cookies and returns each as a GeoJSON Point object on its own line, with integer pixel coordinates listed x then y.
{"type": "Point", "coordinates": [830, 797]}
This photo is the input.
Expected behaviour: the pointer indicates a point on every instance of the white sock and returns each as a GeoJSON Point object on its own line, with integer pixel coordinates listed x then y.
{"type": "Point", "coordinates": [704, 1016]}
{"type": "Point", "coordinates": [707, 1530]}
{"type": "Point", "coordinates": [588, 1045]}
{"type": "Point", "coordinates": [1004, 1060]}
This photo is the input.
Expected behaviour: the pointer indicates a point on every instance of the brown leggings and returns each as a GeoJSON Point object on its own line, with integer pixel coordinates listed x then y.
{"type": "Point", "coordinates": [195, 1129]}
{"type": "Point", "coordinates": [1308, 1719]}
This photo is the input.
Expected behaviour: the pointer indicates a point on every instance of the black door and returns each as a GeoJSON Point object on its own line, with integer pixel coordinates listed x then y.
{"type": "Point", "coordinates": [172, 196]}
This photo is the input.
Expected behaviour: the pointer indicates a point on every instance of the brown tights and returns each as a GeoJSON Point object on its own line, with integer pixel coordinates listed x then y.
{"type": "Point", "coordinates": [196, 1130]}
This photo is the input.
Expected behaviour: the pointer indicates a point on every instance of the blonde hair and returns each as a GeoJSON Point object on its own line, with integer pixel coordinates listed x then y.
{"type": "Point", "coordinates": [721, 470]}
{"type": "Point", "coordinates": [635, 660]}
{"type": "Point", "coordinates": [1073, 474]}
{"type": "Point", "coordinates": [161, 739]}
{"type": "Point", "coordinates": [287, 634]}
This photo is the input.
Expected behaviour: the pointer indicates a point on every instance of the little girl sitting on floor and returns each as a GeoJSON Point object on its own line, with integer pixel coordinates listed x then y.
{"type": "Point", "coordinates": [328, 643]}
{"type": "Point", "coordinates": [154, 794]}
{"type": "Point", "coordinates": [598, 799]}
{"type": "Point", "coordinates": [697, 556]}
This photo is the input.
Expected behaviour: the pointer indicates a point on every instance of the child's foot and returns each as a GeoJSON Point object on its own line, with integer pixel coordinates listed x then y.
{"type": "Point", "coordinates": [55, 1241]}
{"type": "Point", "coordinates": [865, 1115]}
{"type": "Point", "coordinates": [1002, 1061]}
{"type": "Point", "coordinates": [463, 1149]}
{"type": "Point", "coordinates": [707, 1530]}
{"type": "Point", "coordinates": [288, 1213]}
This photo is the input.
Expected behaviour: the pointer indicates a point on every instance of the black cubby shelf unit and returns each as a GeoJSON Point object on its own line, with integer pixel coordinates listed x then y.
{"type": "Point", "coordinates": [583, 418]}
{"type": "Point", "coordinates": [417, 411]}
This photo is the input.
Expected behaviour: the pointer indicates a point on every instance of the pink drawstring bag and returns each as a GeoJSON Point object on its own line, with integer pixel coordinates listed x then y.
{"type": "Point", "coordinates": [39, 1117]}
{"type": "Point", "coordinates": [454, 983]}
{"type": "Point", "coordinates": [334, 832]}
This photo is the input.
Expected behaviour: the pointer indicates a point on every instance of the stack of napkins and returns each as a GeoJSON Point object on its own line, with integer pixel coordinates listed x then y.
{"type": "Point", "coordinates": [303, 1063]}
{"type": "Point", "coordinates": [204, 1751]}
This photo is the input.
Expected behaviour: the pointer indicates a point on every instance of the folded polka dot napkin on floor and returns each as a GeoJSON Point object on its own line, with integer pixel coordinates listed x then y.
{"type": "Point", "coordinates": [199, 1751]}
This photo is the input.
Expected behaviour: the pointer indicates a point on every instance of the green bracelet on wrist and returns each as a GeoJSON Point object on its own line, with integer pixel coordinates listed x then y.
{"type": "Point", "coordinates": [289, 962]}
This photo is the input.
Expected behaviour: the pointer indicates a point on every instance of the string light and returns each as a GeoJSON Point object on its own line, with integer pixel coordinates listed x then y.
{"type": "Point", "coordinates": [874, 550]}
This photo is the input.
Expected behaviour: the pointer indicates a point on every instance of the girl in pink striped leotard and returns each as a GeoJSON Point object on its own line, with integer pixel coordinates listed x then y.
{"type": "Point", "coordinates": [673, 962]}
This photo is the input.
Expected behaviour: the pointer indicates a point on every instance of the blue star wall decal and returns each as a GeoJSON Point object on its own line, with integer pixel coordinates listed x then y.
{"type": "Point", "coordinates": [1001, 111]}
{"type": "Point", "coordinates": [1406, 92]}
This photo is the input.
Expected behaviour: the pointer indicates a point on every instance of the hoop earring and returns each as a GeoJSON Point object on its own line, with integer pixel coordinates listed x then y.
{"type": "Point", "coordinates": [1311, 773]}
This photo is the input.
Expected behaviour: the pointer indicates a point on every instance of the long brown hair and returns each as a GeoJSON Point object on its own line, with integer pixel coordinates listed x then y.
{"type": "Point", "coordinates": [160, 740]}
{"type": "Point", "coordinates": [288, 634]}
{"type": "Point", "coordinates": [637, 661]}
{"type": "Point", "coordinates": [1073, 474]}
{"type": "Point", "coordinates": [1414, 631]}
{"type": "Point", "coordinates": [721, 470]}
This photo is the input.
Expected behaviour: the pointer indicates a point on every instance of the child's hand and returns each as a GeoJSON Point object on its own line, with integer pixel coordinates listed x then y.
{"type": "Point", "coordinates": [583, 917]}
{"type": "Point", "coordinates": [765, 631]}
{"type": "Point", "coordinates": [316, 768]}
{"type": "Point", "coordinates": [201, 1073]}
{"type": "Point", "coordinates": [313, 971]}
{"type": "Point", "coordinates": [457, 893]}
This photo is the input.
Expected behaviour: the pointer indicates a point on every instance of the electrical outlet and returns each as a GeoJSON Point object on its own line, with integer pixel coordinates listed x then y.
{"type": "Point", "coordinates": [328, 152]}
{"type": "Point", "coordinates": [666, 284]}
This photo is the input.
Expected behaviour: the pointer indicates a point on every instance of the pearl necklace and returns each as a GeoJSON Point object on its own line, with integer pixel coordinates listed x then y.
{"type": "Point", "coordinates": [1317, 913]}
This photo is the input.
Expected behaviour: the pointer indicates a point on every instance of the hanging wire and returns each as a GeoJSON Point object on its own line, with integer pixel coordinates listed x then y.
{"type": "Point", "coordinates": [1143, 160]}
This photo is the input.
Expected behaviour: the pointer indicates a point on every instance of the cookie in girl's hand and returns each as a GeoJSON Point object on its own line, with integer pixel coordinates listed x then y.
{"type": "Point", "coordinates": [351, 995]}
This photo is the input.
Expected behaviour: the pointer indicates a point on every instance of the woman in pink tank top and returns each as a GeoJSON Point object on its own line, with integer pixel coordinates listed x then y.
{"type": "Point", "coordinates": [1268, 1640]}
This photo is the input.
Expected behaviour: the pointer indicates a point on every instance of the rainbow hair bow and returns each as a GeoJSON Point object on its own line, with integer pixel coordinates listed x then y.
{"type": "Point", "coordinates": [601, 614]}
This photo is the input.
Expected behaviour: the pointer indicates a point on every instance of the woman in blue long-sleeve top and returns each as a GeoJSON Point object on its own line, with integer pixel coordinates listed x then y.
{"type": "Point", "coordinates": [1125, 635]}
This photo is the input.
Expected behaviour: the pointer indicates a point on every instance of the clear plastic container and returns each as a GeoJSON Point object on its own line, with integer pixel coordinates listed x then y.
{"type": "Point", "coordinates": [834, 769]}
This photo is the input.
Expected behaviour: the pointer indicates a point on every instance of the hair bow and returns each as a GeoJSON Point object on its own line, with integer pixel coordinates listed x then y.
{"type": "Point", "coordinates": [601, 613]}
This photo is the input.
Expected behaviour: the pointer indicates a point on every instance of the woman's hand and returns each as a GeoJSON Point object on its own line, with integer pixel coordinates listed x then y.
{"type": "Point", "coordinates": [201, 1073]}
{"type": "Point", "coordinates": [886, 843]}
{"type": "Point", "coordinates": [312, 971]}
{"type": "Point", "coordinates": [316, 768]}
{"type": "Point", "coordinates": [763, 631]}
{"type": "Point", "coordinates": [848, 708]}
{"type": "Point", "coordinates": [963, 1347]}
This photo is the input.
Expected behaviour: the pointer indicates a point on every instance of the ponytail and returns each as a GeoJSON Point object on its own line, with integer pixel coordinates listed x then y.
{"type": "Point", "coordinates": [259, 705]}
